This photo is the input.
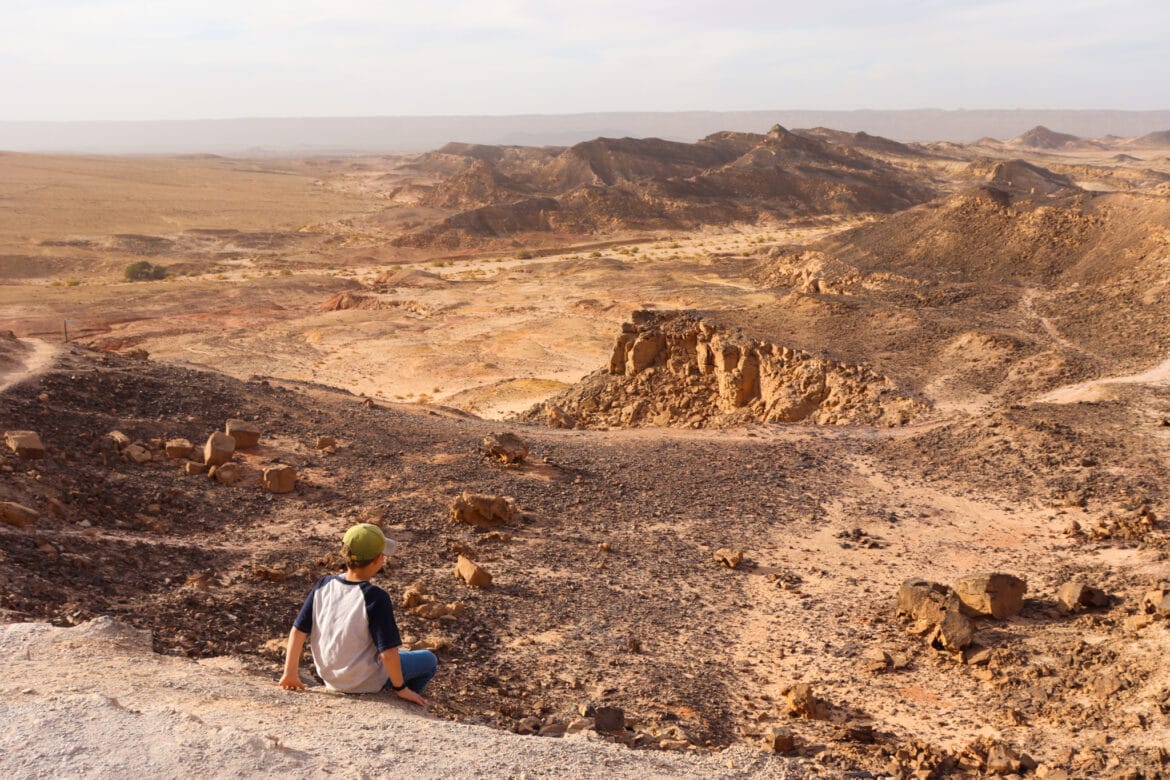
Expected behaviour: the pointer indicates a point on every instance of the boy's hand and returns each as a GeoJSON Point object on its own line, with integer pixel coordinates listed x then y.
{"type": "Point", "coordinates": [408, 695]}
{"type": "Point", "coordinates": [291, 683]}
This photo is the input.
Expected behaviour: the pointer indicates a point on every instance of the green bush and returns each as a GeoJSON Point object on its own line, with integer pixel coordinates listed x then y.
{"type": "Point", "coordinates": [143, 271]}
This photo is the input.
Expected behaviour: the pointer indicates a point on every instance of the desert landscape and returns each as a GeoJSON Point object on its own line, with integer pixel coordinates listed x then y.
{"type": "Point", "coordinates": [796, 453]}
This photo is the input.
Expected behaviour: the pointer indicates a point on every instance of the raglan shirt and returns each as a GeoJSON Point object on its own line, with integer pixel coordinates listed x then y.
{"type": "Point", "coordinates": [349, 624]}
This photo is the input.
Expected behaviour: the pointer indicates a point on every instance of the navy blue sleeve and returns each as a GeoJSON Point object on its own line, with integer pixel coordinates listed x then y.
{"type": "Point", "coordinates": [304, 621]}
{"type": "Point", "coordinates": [379, 611]}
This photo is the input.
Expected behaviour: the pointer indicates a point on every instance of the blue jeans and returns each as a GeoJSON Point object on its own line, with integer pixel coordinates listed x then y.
{"type": "Point", "coordinates": [418, 667]}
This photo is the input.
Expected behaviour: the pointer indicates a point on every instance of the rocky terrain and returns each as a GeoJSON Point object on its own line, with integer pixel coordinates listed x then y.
{"type": "Point", "coordinates": [800, 483]}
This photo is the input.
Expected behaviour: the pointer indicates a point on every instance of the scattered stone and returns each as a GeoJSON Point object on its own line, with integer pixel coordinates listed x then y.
{"type": "Point", "coordinates": [26, 444]}
{"type": "Point", "coordinates": [136, 453]}
{"type": "Point", "coordinates": [991, 595]}
{"type": "Point", "coordinates": [975, 655]}
{"type": "Point", "coordinates": [1002, 760]}
{"type": "Point", "coordinates": [863, 734]}
{"type": "Point", "coordinates": [120, 439]}
{"type": "Point", "coordinates": [1075, 596]}
{"type": "Point", "coordinates": [179, 448]}
{"type": "Point", "coordinates": [279, 479]}
{"type": "Point", "coordinates": [17, 514]}
{"type": "Point", "coordinates": [434, 643]}
{"type": "Point", "coordinates": [325, 442]}
{"type": "Point", "coordinates": [923, 600]}
{"type": "Point", "coordinates": [729, 557]}
{"type": "Point", "coordinates": [246, 434]}
{"type": "Point", "coordinates": [218, 449]}
{"type": "Point", "coordinates": [1157, 601]}
{"type": "Point", "coordinates": [226, 474]}
{"type": "Point", "coordinates": [802, 702]}
{"type": "Point", "coordinates": [413, 595]}
{"type": "Point", "coordinates": [507, 447]}
{"type": "Point", "coordinates": [954, 632]}
{"type": "Point", "coordinates": [1138, 622]}
{"type": "Point", "coordinates": [1106, 685]}
{"type": "Point", "coordinates": [554, 728]}
{"type": "Point", "coordinates": [472, 573]}
{"type": "Point", "coordinates": [577, 725]}
{"type": "Point", "coordinates": [609, 719]}
{"type": "Point", "coordinates": [269, 573]}
{"type": "Point", "coordinates": [191, 467]}
{"type": "Point", "coordinates": [779, 739]}
{"type": "Point", "coordinates": [483, 510]}
{"type": "Point", "coordinates": [877, 660]}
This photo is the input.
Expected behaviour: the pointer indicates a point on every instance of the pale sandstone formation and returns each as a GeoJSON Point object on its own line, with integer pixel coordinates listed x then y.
{"type": "Point", "coordinates": [471, 573]}
{"type": "Point", "coordinates": [483, 510]}
{"type": "Point", "coordinates": [179, 448]}
{"type": "Point", "coordinates": [507, 447]}
{"type": "Point", "coordinates": [26, 444]}
{"type": "Point", "coordinates": [218, 449]}
{"type": "Point", "coordinates": [729, 557]}
{"type": "Point", "coordinates": [136, 453]}
{"type": "Point", "coordinates": [675, 369]}
{"type": "Point", "coordinates": [246, 434]}
{"type": "Point", "coordinates": [17, 514]}
{"type": "Point", "coordinates": [1075, 596]}
{"type": "Point", "coordinates": [279, 479]}
{"type": "Point", "coordinates": [226, 474]}
{"type": "Point", "coordinates": [991, 595]}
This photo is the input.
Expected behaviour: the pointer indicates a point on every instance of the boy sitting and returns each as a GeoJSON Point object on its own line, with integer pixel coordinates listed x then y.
{"type": "Point", "coordinates": [355, 639]}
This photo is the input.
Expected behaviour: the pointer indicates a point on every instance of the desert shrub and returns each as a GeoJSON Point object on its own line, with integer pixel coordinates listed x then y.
{"type": "Point", "coordinates": [523, 254]}
{"type": "Point", "coordinates": [595, 254]}
{"type": "Point", "coordinates": [144, 271]}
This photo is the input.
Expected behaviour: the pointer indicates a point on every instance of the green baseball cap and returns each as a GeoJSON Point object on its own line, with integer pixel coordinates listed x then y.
{"type": "Point", "coordinates": [365, 542]}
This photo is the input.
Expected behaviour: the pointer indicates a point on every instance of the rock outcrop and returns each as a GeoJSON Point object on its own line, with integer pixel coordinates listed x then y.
{"type": "Point", "coordinates": [676, 369]}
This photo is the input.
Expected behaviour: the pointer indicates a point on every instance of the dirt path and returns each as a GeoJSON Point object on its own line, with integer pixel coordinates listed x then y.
{"type": "Point", "coordinates": [35, 362]}
{"type": "Point", "coordinates": [1093, 389]}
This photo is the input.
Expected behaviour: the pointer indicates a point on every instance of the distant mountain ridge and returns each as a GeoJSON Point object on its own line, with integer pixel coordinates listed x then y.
{"type": "Point", "coordinates": [352, 135]}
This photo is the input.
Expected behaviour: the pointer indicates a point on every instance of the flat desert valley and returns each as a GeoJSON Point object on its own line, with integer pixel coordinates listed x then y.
{"type": "Point", "coordinates": [831, 456]}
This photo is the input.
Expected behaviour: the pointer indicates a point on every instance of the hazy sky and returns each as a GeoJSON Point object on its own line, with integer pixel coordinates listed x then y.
{"type": "Point", "coordinates": [161, 59]}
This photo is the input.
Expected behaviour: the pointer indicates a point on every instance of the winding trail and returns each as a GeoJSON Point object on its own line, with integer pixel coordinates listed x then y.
{"type": "Point", "coordinates": [36, 362]}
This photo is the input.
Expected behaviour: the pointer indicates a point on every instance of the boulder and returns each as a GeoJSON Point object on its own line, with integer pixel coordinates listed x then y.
{"type": "Point", "coordinates": [483, 510]}
{"type": "Point", "coordinates": [246, 434]}
{"type": "Point", "coordinates": [136, 453]}
{"type": "Point", "coordinates": [507, 447]}
{"type": "Point", "coordinates": [119, 439]}
{"type": "Point", "coordinates": [920, 599]}
{"type": "Point", "coordinates": [226, 474]}
{"type": "Point", "coordinates": [279, 479]}
{"type": "Point", "coordinates": [609, 719]}
{"type": "Point", "coordinates": [802, 702]}
{"type": "Point", "coordinates": [1157, 601]}
{"type": "Point", "coordinates": [471, 573]}
{"type": "Point", "coordinates": [17, 514]}
{"type": "Point", "coordinates": [179, 448]}
{"type": "Point", "coordinates": [26, 444]}
{"type": "Point", "coordinates": [779, 739]}
{"type": "Point", "coordinates": [877, 660]}
{"type": "Point", "coordinates": [218, 449]}
{"type": "Point", "coordinates": [325, 442]}
{"type": "Point", "coordinates": [1075, 596]}
{"type": "Point", "coordinates": [729, 557]}
{"type": "Point", "coordinates": [991, 595]}
{"type": "Point", "coordinates": [191, 467]}
{"type": "Point", "coordinates": [954, 632]}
